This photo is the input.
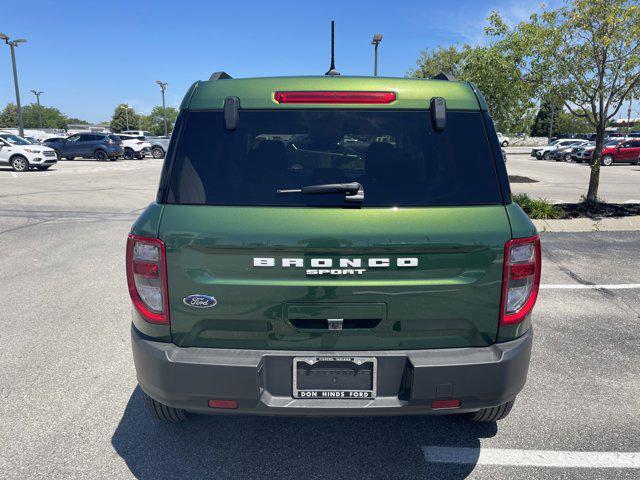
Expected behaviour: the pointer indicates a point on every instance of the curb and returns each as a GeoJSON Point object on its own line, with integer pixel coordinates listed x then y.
{"type": "Point", "coordinates": [610, 224]}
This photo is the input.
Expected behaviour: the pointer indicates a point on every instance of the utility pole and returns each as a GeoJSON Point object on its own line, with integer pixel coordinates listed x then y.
{"type": "Point", "coordinates": [126, 114]}
{"type": "Point", "coordinates": [377, 38]}
{"type": "Point", "coordinates": [163, 87]}
{"type": "Point", "coordinates": [37, 94]}
{"type": "Point", "coordinates": [629, 116]}
{"type": "Point", "coordinates": [12, 44]}
{"type": "Point", "coordinates": [553, 113]}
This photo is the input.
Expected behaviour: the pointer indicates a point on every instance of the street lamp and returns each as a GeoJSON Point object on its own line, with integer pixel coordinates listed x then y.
{"type": "Point", "coordinates": [377, 38]}
{"type": "Point", "coordinates": [37, 94]}
{"type": "Point", "coordinates": [12, 44]}
{"type": "Point", "coordinates": [163, 87]}
{"type": "Point", "coordinates": [126, 113]}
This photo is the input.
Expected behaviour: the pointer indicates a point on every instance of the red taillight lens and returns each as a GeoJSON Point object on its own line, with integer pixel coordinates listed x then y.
{"type": "Point", "coordinates": [521, 279]}
{"type": "Point", "coordinates": [147, 278]}
{"type": "Point", "coordinates": [335, 97]}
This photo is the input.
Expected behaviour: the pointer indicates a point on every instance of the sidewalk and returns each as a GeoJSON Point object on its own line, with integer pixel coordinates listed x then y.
{"type": "Point", "coordinates": [589, 225]}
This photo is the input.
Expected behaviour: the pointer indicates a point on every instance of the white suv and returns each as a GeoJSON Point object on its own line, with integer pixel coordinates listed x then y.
{"type": "Point", "coordinates": [504, 141]}
{"type": "Point", "coordinates": [22, 155]}
{"type": "Point", "coordinates": [134, 146]}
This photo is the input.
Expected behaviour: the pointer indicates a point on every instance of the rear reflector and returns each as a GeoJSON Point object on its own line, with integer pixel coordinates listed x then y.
{"type": "Point", "coordinates": [521, 279]}
{"type": "Point", "coordinates": [147, 278]}
{"type": "Point", "coordinates": [449, 403]}
{"type": "Point", "coordinates": [227, 404]}
{"type": "Point", "coordinates": [335, 97]}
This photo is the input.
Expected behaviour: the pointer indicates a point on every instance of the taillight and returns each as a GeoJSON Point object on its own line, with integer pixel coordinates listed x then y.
{"type": "Point", "coordinates": [334, 97]}
{"type": "Point", "coordinates": [521, 279]}
{"type": "Point", "coordinates": [147, 278]}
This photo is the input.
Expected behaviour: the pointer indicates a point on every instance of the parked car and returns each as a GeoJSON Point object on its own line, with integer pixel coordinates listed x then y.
{"type": "Point", "coordinates": [134, 146]}
{"type": "Point", "coordinates": [545, 152]}
{"type": "Point", "coordinates": [159, 146]}
{"type": "Point", "coordinates": [22, 155]}
{"type": "Point", "coordinates": [504, 141]}
{"type": "Point", "coordinates": [265, 279]}
{"type": "Point", "coordinates": [626, 151]}
{"type": "Point", "coordinates": [138, 133]}
{"type": "Point", "coordinates": [32, 140]}
{"type": "Point", "coordinates": [585, 153]}
{"type": "Point", "coordinates": [561, 154]}
{"type": "Point", "coordinates": [101, 146]}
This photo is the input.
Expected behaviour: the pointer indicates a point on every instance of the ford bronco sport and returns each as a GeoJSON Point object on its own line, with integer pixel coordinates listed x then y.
{"type": "Point", "coordinates": [332, 246]}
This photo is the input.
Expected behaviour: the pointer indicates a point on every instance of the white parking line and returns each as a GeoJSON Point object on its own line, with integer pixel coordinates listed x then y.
{"type": "Point", "coordinates": [531, 458]}
{"type": "Point", "coordinates": [580, 286]}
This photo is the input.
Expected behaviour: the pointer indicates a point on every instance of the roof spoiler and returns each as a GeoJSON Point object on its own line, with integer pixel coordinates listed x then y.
{"type": "Point", "coordinates": [219, 76]}
{"type": "Point", "coordinates": [444, 76]}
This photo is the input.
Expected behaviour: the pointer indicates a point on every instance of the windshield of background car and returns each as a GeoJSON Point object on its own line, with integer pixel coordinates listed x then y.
{"type": "Point", "coordinates": [15, 140]}
{"type": "Point", "coordinates": [396, 156]}
{"type": "Point", "coordinates": [115, 138]}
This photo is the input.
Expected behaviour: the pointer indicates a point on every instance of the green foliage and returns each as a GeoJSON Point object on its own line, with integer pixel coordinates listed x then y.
{"type": "Point", "coordinates": [586, 53]}
{"type": "Point", "coordinates": [495, 72]}
{"type": "Point", "coordinates": [9, 116]}
{"type": "Point", "coordinates": [77, 121]}
{"type": "Point", "coordinates": [124, 118]}
{"type": "Point", "coordinates": [154, 121]}
{"type": "Point", "coordinates": [563, 121]}
{"type": "Point", "coordinates": [538, 208]}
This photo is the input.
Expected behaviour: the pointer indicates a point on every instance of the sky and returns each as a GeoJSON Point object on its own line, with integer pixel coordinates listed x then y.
{"type": "Point", "coordinates": [88, 56]}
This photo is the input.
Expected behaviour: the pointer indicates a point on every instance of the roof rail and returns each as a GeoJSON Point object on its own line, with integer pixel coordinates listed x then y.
{"type": "Point", "coordinates": [219, 76]}
{"type": "Point", "coordinates": [444, 76]}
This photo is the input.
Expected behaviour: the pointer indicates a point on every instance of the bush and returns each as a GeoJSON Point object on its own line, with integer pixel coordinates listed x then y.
{"type": "Point", "coordinates": [538, 208]}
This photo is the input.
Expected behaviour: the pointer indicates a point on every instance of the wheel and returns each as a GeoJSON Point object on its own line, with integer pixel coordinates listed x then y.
{"type": "Point", "coordinates": [69, 158]}
{"type": "Point", "coordinates": [43, 168]}
{"type": "Point", "coordinates": [128, 153]}
{"type": "Point", "coordinates": [492, 414]}
{"type": "Point", "coordinates": [160, 411]}
{"type": "Point", "coordinates": [607, 160]}
{"type": "Point", "coordinates": [546, 156]}
{"type": "Point", "coordinates": [157, 152]}
{"type": "Point", "coordinates": [20, 163]}
{"type": "Point", "coordinates": [505, 143]}
{"type": "Point", "coordinates": [58, 156]}
{"type": "Point", "coordinates": [567, 157]}
{"type": "Point", "coordinates": [100, 155]}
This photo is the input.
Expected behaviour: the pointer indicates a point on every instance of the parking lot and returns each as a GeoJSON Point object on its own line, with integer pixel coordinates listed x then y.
{"type": "Point", "coordinates": [70, 407]}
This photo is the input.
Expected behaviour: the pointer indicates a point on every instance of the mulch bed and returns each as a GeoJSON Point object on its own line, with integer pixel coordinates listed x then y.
{"type": "Point", "coordinates": [521, 179]}
{"type": "Point", "coordinates": [599, 210]}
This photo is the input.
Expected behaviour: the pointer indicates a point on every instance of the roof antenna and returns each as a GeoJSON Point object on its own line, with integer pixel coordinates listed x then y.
{"type": "Point", "coordinates": [332, 69]}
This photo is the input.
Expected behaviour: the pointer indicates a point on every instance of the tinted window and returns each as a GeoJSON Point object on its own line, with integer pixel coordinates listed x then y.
{"type": "Point", "coordinates": [395, 155]}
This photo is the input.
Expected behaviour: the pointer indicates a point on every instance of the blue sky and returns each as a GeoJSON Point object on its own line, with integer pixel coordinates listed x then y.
{"type": "Point", "coordinates": [90, 56]}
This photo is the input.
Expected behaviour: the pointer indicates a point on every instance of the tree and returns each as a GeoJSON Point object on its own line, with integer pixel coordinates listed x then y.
{"type": "Point", "coordinates": [154, 121]}
{"type": "Point", "coordinates": [495, 72]}
{"type": "Point", "coordinates": [564, 123]}
{"type": "Point", "coordinates": [77, 121]}
{"type": "Point", "coordinates": [124, 118]}
{"type": "Point", "coordinates": [588, 52]}
{"type": "Point", "coordinates": [9, 116]}
{"type": "Point", "coordinates": [51, 117]}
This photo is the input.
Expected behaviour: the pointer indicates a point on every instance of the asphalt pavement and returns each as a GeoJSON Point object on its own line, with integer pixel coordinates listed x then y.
{"type": "Point", "coordinates": [71, 409]}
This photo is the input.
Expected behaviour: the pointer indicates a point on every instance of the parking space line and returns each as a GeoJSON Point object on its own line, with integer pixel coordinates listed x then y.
{"type": "Point", "coordinates": [580, 286]}
{"type": "Point", "coordinates": [531, 458]}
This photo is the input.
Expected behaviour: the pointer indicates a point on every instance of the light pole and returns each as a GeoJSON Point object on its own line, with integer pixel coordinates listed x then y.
{"type": "Point", "coordinates": [12, 44]}
{"type": "Point", "coordinates": [377, 38]}
{"type": "Point", "coordinates": [126, 114]}
{"type": "Point", "coordinates": [37, 94]}
{"type": "Point", "coordinates": [163, 87]}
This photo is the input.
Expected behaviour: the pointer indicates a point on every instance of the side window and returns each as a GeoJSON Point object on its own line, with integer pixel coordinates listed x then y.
{"type": "Point", "coordinates": [86, 137]}
{"type": "Point", "coordinates": [626, 145]}
{"type": "Point", "coordinates": [73, 138]}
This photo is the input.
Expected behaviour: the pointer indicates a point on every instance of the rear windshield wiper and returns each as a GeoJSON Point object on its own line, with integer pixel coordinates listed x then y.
{"type": "Point", "coordinates": [353, 192]}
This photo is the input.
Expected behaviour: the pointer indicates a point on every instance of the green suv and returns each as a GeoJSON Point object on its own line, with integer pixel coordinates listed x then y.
{"type": "Point", "coordinates": [332, 246]}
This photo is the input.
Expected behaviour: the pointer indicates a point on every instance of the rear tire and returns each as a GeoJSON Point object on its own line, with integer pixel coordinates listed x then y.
{"type": "Point", "coordinates": [492, 414]}
{"type": "Point", "coordinates": [546, 155]}
{"type": "Point", "coordinates": [101, 155]}
{"type": "Point", "coordinates": [607, 160]}
{"type": "Point", "coordinates": [505, 143]}
{"type": "Point", "coordinates": [160, 411]}
{"type": "Point", "coordinates": [157, 152]}
{"type": "Point", "coordinates": [128, 154]}
{"type": "Point", "coordinates": [567, 157]}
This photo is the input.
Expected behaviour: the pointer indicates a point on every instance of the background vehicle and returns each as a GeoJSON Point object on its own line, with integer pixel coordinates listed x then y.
{"type": "Point", "coordinates": [159, 146]}
{"type": "Point", "coordinates": [138, 133]}
{"type": "Point", "coordinates": [100, 146]}
{"type": "Point", "coordinates": [134, 146]}
{"type": "Point", "coordinates": [545, 152]}
{"type": "Point", "coordinates": [368, 243]}
{"type": "Point", "coordinates": [585, 152]}
{"type": "Point", "coordinates": [627, 151]}
{"type": "Point", "coordinates": [22, 155]}
{"type": "Point", "coordinates": [561, 154]}
{"type": "Point", "coordinates": [504, 141]}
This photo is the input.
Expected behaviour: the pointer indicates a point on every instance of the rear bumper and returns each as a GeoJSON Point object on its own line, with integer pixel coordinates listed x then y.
{"type": "Point", "coordinates": [261, 380]}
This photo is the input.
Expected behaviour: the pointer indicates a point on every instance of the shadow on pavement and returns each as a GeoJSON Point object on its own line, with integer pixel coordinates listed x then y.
{"type": "Point", "coordinates": [276, 447]}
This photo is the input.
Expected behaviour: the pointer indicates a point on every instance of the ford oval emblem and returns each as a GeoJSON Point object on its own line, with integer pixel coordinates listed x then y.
{"type": "Point", "coordinates": [200, 301]}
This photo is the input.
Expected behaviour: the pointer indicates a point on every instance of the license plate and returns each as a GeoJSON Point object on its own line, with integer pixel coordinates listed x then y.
{"type": "Point", "coordinates": [341, 378]}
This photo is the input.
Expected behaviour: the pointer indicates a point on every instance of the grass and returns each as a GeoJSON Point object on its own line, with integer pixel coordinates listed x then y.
{"type": "Point", "coordinates": [538, 208]}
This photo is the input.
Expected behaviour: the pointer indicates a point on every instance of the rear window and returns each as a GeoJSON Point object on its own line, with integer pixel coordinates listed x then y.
{"type": "Point", "coordinates": [397, 156]}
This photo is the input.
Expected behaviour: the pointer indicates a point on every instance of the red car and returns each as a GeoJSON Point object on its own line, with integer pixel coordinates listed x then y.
{"type": "Point", "coordinates": [627, 151]}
